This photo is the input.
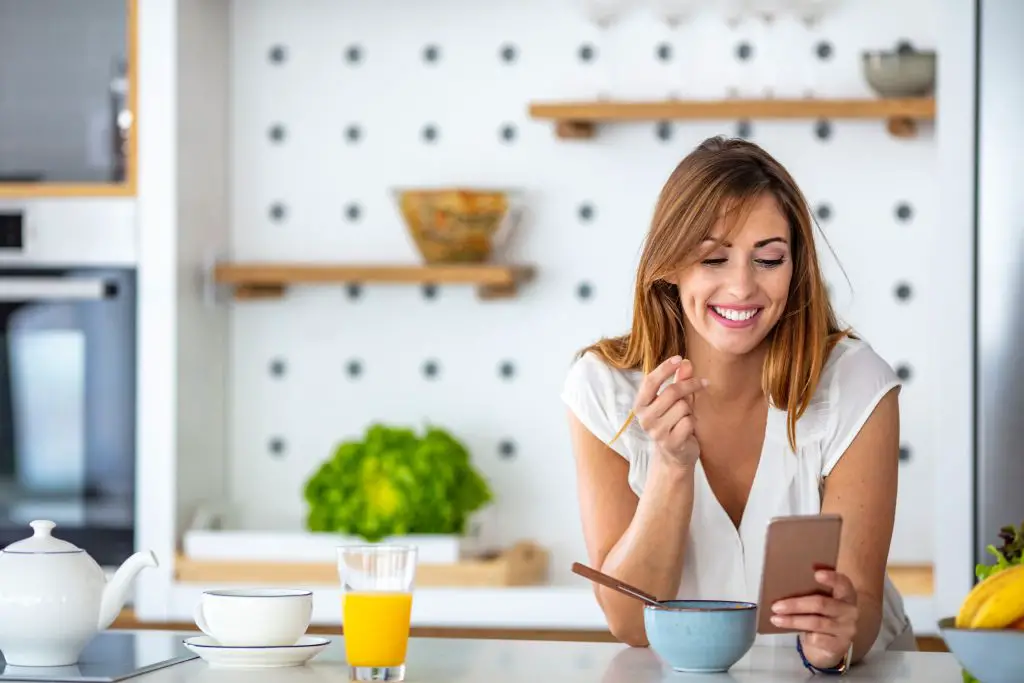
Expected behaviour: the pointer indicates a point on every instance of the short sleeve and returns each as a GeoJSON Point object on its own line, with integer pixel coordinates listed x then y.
{"type": "Point", "coordinates": [859, 380]}
{"type": "Point", "coordinates": [590, 390]}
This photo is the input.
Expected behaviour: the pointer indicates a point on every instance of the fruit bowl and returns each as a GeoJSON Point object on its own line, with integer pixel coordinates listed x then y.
{"type": "Point", "coordinates": [989, 655]}
{"type": "Point", "coordinates": [457, 224]}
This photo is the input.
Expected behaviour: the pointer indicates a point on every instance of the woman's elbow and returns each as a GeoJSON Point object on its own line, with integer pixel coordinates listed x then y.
{"type": "Point", "coordinates": [628, 631]}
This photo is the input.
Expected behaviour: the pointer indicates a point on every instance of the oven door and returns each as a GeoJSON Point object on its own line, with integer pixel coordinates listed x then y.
{"type": "Point", "coordinates": [67, 406]}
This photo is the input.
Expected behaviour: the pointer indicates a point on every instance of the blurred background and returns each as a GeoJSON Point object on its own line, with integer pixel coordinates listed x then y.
{"type": "Point", "coordinates": [251, 250]}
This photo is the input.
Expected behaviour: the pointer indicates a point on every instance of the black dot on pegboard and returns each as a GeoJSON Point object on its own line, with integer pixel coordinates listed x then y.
{"type": "Point", "coordinates": [584, 290]}
{"type": "Point", "coordinates": [586, 212]}
{"type": "Point", "coordinates": [823, 130]}
{"type": "Point", "coordinates": [353, 54]}
{"type": "Point", "coordinates": [354, 368]}
{"type": "Point", "coordinates": [277, 367]}
{"type": "Point", "coordinates": [353, 133]}
{"type": "Point", "coordinates": [744, 51]}
{"type": "Point", "coordinates": [823, 212]}
{"type": "Point", "coordinates": [744, 129]}
{"type": "Point", "coordinates": [903, 371]}
{"type": "Point", "coordinates": [507, 369]}
{"type": "Point", "coordinates": [508, 53]}
{"type": "Point", "coordinates": [276, 446]}
{"type": "Point", "coordinates": [904, 453]}
{"type": "Point", "coordinates": [823, 49]}
{"type": "Point", "coordinates": [429, 291]}
{"type": "Point", "coordinates": [904, 47]}
{"type": "Point", "coordinates": [903, 291]}
{"type": "Point", "coordinates": [276, 133]}
{"type": "Point", "coordinates": [429, 133]}
{"type": "Point", "coordinates": [663, 130]}
{"type": "Point", "coordinates": [507, 449]}
{"type": "Point", "coordinates": [507, 133]}
{"type": "Point", "coordinates": [354, 290]}
{"type": "Point", "coordinates": [277, 212]}
{"type": "Point", "coordinates": [663, 52]}
{"type": "Point", "coordinates": [586, 53]}
{"type": "Point", "coordinates": [277, 54]}
{"type": "Point", "coordinates": [353, 212]}
{"type": "Point", "coordinates": [904, 212]}
{"type": "Point", "coordinates": [431, 369]}
{"type": "Point", "coordinates": [431, 54]}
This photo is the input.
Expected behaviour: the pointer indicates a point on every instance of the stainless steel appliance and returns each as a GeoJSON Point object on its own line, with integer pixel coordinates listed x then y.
{"type": "Point", "coordinates": [1000, 272]}
{"type": "Point", "coordinates": [67, 402]}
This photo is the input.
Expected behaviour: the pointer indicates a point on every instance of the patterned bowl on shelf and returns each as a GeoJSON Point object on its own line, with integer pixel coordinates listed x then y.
{"type": "Point", "coordinates": [457, 224]}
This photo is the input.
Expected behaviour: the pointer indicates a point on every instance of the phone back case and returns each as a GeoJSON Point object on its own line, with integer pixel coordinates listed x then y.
{"type": "Point", "coordinates": [795, 548]}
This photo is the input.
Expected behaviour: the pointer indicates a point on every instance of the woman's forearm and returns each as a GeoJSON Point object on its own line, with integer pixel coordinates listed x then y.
{"type": "Point", "coordinates": [650, 553]}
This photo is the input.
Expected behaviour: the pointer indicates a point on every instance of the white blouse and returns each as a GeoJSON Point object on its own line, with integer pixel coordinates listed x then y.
{"type": "Point", "coordinates": [721, 561]}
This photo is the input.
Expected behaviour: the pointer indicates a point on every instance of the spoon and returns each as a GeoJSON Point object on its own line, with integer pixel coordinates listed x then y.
{"type": "Point", "coordinates": [613, 583]}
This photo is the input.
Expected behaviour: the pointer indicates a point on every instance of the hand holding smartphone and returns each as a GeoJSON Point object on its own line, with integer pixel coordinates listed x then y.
{"type": "Point", "coordinates": [795, 548]}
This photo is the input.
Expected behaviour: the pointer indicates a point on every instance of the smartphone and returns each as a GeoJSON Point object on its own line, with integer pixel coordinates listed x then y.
{"type": "Point", "coordinates": [796, 547]}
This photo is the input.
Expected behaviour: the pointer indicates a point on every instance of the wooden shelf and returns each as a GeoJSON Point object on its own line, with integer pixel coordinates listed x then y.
{"type": "Point", "coordinates": [271, 280]}
{"type": "Point", "coordinates": [578, 120]}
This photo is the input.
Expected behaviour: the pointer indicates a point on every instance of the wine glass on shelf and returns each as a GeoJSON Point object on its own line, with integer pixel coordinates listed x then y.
{"type": "Point", "coordinates": [604, 14]}
{"type": "Point", "coordinates": [813, 11]}
{"type": "Point", "coordinates": [735, 11]}
{"type": "Point", "coordinates": [676, 12]}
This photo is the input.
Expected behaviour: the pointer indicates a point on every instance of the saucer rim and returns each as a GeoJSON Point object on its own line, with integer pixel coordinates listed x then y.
{"type": "Point", "coordinates": [320, 641]}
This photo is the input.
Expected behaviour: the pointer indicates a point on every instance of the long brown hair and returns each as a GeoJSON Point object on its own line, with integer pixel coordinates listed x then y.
{"type": "Point", "coordinates": [724, 177]}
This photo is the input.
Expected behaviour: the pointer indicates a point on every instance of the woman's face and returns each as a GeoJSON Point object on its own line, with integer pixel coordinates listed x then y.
{"type": "Point", "coordinates": [734, 297]}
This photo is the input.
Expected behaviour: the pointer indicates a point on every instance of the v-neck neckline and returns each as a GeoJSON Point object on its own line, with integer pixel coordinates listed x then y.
{"type": "Point", "coordinates": [754, 495]}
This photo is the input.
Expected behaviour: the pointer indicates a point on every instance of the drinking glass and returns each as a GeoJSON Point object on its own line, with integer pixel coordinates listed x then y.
{"type": "Point", "coordinates": [376, 594]}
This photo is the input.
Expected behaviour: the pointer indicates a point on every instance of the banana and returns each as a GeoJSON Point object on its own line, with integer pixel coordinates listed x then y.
{"type": "Point", "coordinates": [995, 602]}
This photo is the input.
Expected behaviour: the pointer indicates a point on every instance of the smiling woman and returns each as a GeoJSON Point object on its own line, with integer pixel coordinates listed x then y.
{"type": "Point", "coordinates": [737, 397]}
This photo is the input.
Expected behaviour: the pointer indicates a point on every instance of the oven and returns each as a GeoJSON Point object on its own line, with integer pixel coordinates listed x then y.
{"type": "Point", "coordinates": [67, 404]}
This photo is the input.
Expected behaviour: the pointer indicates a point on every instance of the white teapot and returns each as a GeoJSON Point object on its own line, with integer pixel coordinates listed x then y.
{"type": "Point", "coordinates": [54, 598]}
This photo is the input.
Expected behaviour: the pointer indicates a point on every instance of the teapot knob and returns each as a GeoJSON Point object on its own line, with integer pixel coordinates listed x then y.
{"type": "Point", "coordinates": [42, 527]}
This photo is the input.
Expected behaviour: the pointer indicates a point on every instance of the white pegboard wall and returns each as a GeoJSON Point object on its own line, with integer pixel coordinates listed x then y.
{"type": "Point", "coordinates": [333, 102]}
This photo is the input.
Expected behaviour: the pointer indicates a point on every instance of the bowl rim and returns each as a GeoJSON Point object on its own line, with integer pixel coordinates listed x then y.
{"type": "Point", "coordinates": [949, 624]}
{"type": "Point", "coordinates": [695, 605]}
{"type": "Point", "coordinates": [894, 54]}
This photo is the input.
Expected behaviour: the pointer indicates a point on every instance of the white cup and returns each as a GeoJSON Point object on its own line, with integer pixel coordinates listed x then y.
{"type": "Point", "coordinates": [259, 617]}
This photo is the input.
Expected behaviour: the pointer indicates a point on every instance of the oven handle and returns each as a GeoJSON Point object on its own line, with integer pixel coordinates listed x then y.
{"type": "Point", "coordinates": [18, 289]}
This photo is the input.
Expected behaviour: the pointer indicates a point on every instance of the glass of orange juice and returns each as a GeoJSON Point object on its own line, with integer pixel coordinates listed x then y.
{"type": "Point", "coordinates": [376, 594]}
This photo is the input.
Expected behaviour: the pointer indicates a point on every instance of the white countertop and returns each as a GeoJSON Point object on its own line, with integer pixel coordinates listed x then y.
{"type": "Point", "coordinates": [434, 660]}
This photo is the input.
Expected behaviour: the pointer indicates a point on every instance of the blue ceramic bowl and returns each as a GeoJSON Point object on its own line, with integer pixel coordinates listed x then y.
{"type": "Point", "coordinates": [990, 655]}
{"type": "Point", "coordinates": [701, 635]}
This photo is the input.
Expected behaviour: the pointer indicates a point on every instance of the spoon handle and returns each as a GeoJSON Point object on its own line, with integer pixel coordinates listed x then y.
{"type": "Point", "coordinates": [613, 583]}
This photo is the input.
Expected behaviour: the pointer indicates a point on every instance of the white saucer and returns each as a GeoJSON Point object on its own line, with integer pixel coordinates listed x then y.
{"type": "Point", "coordinates": [216, 654]}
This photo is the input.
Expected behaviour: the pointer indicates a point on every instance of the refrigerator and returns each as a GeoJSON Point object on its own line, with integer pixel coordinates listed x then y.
{"type": "Point", "coordinates": [999, 267]}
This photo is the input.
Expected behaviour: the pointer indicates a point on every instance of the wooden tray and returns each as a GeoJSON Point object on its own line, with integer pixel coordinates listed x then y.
{"type": "Point", "coordinates": [524, 564]}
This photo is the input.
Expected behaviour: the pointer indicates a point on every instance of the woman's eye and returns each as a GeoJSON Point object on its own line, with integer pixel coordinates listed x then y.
{"type": "Point", "coordinates": [771, 263]}
{"type": "Point", "coordinates": [714, 261]}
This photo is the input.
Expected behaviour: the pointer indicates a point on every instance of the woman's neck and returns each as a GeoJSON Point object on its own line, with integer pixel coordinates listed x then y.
{"type": "Point", "coordinates": [732, 380]}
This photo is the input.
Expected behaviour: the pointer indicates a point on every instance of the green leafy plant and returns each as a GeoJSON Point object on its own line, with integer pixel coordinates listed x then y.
{"type": "Point", "coordinates": [1009, 553]}
{"type": "Point", "coordinates": [393, 482]}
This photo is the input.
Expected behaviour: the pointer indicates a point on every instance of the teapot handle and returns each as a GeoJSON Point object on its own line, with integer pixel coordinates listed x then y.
{"type": "Point", "coordinates": [197, 615]}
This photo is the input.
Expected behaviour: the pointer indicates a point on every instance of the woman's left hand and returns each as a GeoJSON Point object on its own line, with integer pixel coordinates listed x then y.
{"type": "Point", "coordinates": [827, 624]}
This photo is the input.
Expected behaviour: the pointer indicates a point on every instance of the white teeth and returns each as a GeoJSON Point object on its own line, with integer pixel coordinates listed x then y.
{"type": "Point", "coordinates": [732, 314]}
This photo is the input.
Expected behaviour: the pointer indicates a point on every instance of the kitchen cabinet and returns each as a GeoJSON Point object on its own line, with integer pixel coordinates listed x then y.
{"type": "Point", "coordinates": [67, 94]}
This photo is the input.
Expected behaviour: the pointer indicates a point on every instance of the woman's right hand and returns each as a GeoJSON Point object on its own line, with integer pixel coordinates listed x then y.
{"type": "Point", "coordinates": [668, 417]}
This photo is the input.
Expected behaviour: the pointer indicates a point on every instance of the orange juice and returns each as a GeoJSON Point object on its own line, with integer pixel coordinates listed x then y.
{"type": "Point", "coordinates": [376, 627]}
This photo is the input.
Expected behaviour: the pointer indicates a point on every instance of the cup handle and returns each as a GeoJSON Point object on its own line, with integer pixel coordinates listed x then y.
{"type": "Point", "coordinates": [197, 615]}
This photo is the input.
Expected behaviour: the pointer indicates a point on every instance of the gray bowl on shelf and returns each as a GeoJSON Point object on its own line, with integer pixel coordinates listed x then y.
{"type": "Point", "coordinates": [900, 73]}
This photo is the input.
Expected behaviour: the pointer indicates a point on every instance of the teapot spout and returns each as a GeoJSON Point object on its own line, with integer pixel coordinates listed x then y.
{"type": "Point", "coordinates": [116, 591]}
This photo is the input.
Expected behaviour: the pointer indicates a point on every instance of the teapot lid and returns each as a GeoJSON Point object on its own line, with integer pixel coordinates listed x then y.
{"type": "Point", "coordinates": [41, 542]}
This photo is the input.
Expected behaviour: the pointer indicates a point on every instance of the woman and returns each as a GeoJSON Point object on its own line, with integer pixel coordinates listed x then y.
{"type": "Point", "coordinates": [768, 408]}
